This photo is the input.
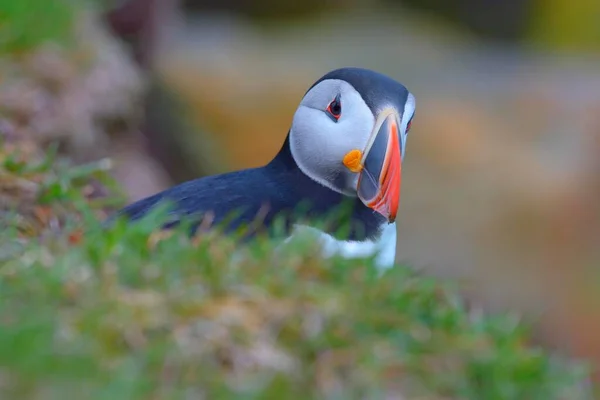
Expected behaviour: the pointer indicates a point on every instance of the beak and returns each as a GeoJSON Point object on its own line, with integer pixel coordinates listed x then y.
{"type": "Point", "coordinates": [379, 181]}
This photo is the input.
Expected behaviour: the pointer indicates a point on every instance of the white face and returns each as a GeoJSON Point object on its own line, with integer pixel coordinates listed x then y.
{"type": "Point", "coordinates": [409, 112]}
{"type": "Point", "coordinates": [319, 142]}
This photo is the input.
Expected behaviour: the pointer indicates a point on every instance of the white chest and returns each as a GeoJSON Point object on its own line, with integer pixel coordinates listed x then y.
{"type": "Point", "coordinates": [383, 249]}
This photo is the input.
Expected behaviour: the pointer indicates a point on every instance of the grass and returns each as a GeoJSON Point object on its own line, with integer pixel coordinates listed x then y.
{"type": "Point", "coordinates": [125, 312]}
{"type": "Point", "coordinates": [26, 24]}
{"type": "Point", "coordinates": [52, 21]}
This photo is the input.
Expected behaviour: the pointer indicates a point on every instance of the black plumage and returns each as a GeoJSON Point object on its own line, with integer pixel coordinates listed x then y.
{"type": "Point", "coordinates": [277, 188]}
{"type": "Point", "coordinates": [374, 88]}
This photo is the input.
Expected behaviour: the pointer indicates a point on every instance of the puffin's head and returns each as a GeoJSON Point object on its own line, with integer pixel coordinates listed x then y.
{"type": "Point", "coordinates": [349, 134]}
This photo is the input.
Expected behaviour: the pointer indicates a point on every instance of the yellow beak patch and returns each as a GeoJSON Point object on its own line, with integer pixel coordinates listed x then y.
{"type": "Point", "coordinates": [352, 160]}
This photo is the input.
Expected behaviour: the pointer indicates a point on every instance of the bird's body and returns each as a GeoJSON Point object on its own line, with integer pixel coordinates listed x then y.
{"type": "Point", "coordinates": [262, 193]}
{"type": "Point", "coordinates": [382, 247]}
{"type": "Point", "coordinates": [307, 180]}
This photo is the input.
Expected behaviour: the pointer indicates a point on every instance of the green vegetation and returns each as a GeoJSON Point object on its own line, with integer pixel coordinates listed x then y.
{"type": "Point", "coordinates": [53, 21]}
{"type": "Point", "coordinates": [125, 313]}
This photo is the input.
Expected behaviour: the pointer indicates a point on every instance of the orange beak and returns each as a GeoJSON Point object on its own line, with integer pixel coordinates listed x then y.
{"type": "Point", "coordinates": [379, 181]}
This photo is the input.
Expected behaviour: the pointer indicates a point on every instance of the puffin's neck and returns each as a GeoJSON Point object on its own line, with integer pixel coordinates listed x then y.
{"type": "Point", "coordinates": [284, 158]}
{"type": "Point", "coordinates": [364, 223]}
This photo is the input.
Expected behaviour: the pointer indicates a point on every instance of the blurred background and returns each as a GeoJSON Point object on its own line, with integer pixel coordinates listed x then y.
{"type": "Point", "coordinates": [501, 188]}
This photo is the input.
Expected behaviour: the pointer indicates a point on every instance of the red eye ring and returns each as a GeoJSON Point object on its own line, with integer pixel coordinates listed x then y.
{"type": "Point", "coordinates": [334, 109]}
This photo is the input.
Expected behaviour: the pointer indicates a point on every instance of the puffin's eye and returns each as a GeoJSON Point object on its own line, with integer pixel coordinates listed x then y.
{"type": "Point", "coordinates": [334, 109]}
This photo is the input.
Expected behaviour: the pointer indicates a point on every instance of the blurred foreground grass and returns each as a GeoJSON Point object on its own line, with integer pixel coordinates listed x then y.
{"type": "Point", "coordinates": [125, 313]}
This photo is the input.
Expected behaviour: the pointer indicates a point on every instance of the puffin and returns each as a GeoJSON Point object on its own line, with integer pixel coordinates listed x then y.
{"type": "Point", "coordinates": [343, 151]}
